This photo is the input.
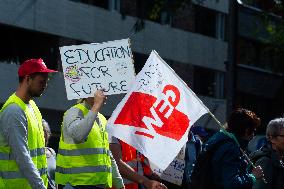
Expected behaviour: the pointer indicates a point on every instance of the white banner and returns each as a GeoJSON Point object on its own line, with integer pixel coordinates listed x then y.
{"type": "Point", "coordinates": [90, 67]}
{"type": "Point", "coordinates": [157, 113]}
{"type": "Point", "coordinates": [174, 172]}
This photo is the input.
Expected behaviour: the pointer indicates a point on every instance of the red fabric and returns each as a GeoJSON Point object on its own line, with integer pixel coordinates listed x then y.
{"type": "Point", "coordinates": [139, 105]}
{"type": "Point", "coordinates": [33, 66]}
{"type": "Point", "coordinates": [129, 186]}
{"type": "Point", "coordinates": [129, 154]}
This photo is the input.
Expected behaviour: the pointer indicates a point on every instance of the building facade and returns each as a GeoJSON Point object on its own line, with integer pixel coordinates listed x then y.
{"type": "Point", "coordinates": [192, 41]}
{"type": "Point", "coordinates": [259, 84]}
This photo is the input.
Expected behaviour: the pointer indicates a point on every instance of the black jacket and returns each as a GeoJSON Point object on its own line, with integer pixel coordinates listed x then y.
{"type": "Point", "coordinates": [272, 167]}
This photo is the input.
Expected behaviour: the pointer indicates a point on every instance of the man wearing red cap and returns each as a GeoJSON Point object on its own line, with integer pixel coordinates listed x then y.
{"type": "Point", "coordinates": [22, 155]}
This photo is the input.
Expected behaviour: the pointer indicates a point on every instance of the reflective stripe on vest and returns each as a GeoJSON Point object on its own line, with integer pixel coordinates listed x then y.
{"type": "Point", "coordinates": [33, 153]}
{"type": "Point", "coordinates": [17, 174]}
{"type": "Point", "coordinates": [86, 151]}
{"type": "Point", "coordinates": [89, 169]}
{"type": "Point", "coordinates": [86, 163]}
{"type": "Point", "coordinates": [9, 170]}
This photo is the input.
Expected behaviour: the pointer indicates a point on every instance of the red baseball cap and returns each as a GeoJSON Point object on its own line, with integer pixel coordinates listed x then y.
{"type": "Point", "coordinates": [33, 66]}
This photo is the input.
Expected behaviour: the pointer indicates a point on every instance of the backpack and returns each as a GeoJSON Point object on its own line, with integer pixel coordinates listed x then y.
{"type": "Point", "coordinates": [201, 177]}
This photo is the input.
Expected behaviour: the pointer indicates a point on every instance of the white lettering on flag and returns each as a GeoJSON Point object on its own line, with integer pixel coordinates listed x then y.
{"type": "Point", "coordinates": [157, 112]}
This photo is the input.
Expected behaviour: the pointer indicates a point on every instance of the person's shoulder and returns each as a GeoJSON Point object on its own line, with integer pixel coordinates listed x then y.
{"type": "Point", "coordinates": [12, 115]}
{"type": "Point", "coordinates": [73, 108]}
{"type": "Point", "coordinates": [261, 155]}
{"type": "Point", "coordinates": [12, 110]}
{"type": "Point", "coordinates": [13, 107]}
{"type": "Point", "coordinates": [73, 111]}
{"type": "Point", "coordinates": [222, 144]}
{"type": "Point", "coordinates": [219, 137]}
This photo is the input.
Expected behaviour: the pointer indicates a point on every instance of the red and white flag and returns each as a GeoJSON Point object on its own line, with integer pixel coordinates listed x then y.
{"type": "Point", "coordinates": [157, 112]}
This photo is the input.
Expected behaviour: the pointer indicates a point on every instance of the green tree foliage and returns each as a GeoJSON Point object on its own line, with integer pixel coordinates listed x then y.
{"type": "Point", "coordinates": [272, 19]}
{"type": "Point", "coordinates": [274, 24]}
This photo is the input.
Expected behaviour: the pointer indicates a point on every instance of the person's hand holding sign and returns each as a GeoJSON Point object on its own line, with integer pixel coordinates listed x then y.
{"type": "Point", "coordinates": [98, 100]}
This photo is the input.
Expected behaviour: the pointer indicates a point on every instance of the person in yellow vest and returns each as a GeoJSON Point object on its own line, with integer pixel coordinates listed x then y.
{"type": "Point", "coordinates": [84, 159]}
{"type": "Point", "coordinates": [133, 166]}
{"type": "Point", "coordinates": [22, 146]}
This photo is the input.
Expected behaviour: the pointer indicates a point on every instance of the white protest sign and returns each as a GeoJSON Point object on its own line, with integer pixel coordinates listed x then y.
{"type": "Point", "coordinates": [94, 66]}
{"type": "Point", "coordinates": [174, 172]}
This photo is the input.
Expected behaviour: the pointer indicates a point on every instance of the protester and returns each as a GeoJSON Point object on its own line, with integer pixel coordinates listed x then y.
{"type": "Point", "coordinates": [84, 159]}
{"type": "Point", "coordinates": [192, 150]}
{"type": "Point", "coordinates": [23, 161]}
{"type": "Point", "coordinates": [50, 157]}
{"type": "Point", "coordinates": [199, 132]}
{"type": "Point", "coordinates": [228, 166]}
{"type": "Point", "coordinates": [133, 166]}
{"type": "Point", "coordinates": [270, 157]}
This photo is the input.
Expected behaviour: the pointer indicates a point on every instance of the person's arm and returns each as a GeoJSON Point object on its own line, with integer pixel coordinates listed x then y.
{"type": "Point", "coordinates": [116, 177]}
{"type": "Point", "coordinates": [267, 167]}
{"type": "Point", "coordinates": [14, 124]}
{"type": "Point", "coordinates": [129, 173]}
{"type": "Point", "coordinates": [77, 126]}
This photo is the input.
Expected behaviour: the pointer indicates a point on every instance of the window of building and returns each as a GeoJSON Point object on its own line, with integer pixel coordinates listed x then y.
{"type": "Point", "coordinates": [166, 18]}
{"type": "Point", "coordinates": [184, 71]}
{"type": "Point", "coordinates": [205, 21]}
{"type": "Point", "coordinates": [184, 18]}
{"type": "Point", "coordinates": [139, 61]}
{"type": "Point", "coordinates": [114, 5]}
{"type": "Point", "coordinates": [129, 7]}
{"type": "Point", "coordinates": [262, 4]}
{"type": "Point", "coordinates": [220, 26]}
{"type": "Point", "coordinates": [257, 54]}
{"type": "Point", "coordinates": [18, 45]}
{"type": "Point", "coordinates": [101, 3]}
{"type": "Point", "coordinates": [208, 82]}
{"type": "Point", "coordinates": [210, 23]}
{"type": "Point", "coordinates": [247, 52]}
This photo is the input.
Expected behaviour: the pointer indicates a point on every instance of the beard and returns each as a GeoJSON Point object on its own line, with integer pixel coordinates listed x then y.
{"type": "Point", "coordinates": [35, 93]}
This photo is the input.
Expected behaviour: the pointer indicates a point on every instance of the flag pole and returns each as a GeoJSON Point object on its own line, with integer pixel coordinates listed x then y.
{"type": "Point", "coordinates": [243, 152]}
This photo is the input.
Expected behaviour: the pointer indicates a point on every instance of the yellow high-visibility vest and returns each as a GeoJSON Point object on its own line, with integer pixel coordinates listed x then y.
{"type": "Point", "coordinates": [86, 163]}
{"type": "Point", "coordinates": [10, 175]}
